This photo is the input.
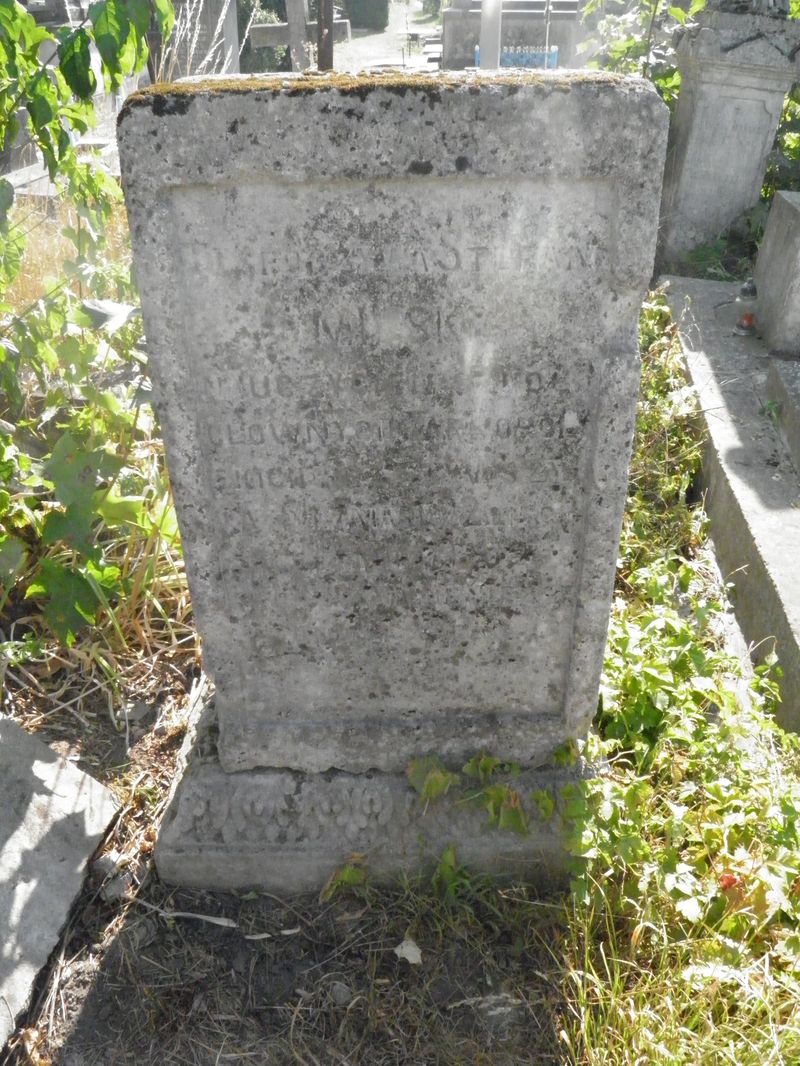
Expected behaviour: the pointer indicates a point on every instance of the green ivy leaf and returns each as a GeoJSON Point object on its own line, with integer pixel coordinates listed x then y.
{"type": "Point", "coordinates": [429, 777]}
{"type": "Point", "coordinates": [492, 798]}
{"type": "Point", "coordinates": [120, 510]}
{"type": "Point", "coordinates": [13, 554]}
{"type": "Point", "coordinates": [6, 199]}
{"type": "Point", "coordinates": [481, 766]}
{"type": "Point", "coordinates": [106, 575]}
{"type": "Point", "coordinates": [545, 804]}
{"type": "Point", "coordinates": [437, 783]}
{"type": "Point", "coordinates": [566, 754]}
{"type": "Point", "coordinates": [74, 472]}
{"type": "Point", "coordinates": [75, 354]}
{"type": "Point", "coordinates": [69, 600]}
{"type": "Point", "coordinates": [418, 769]}
{"type": "Point", "coordinates": [72, 526]}
{"type": "Point", "coordinates": [75, 64]}
{"type": "Point", "coordinates": [165, 17]}
{"type": "Point", "coordinates": [350, 876]}
{"type": "Point", "coordinates": [512, 814]}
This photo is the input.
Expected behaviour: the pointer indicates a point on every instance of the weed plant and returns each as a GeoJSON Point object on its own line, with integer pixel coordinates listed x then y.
{"type": "Point", "coordinates": [684, 938]}
{"type": "Point", "coordinates": [92, 586]}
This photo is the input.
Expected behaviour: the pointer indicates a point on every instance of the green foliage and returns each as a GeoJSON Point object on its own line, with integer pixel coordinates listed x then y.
{"type": "Point", "coordinates": [429, 777]}
{"type": "Point", "coordinates": [367, 14]}
{"type": "Point", "coordinates": [667, 451]}
{"type": "Point", "coordinates": [449, 878]}
{"type": "Point", "coordinates": [637, 38]}
{"type": "Point", "coordinates": [255, 13]}
{"type": "Point", "coordinates": [73, 424]}
{"type": "Point", "coordinates": [783, 170]}
{"type": "Point", "coordinates": [686, 884]}
{"type": "Point", "coordinates": [352, 877]}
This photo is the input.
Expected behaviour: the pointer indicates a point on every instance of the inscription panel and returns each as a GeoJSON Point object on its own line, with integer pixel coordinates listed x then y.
{"type": "Point", "coordinates": [397, 434]}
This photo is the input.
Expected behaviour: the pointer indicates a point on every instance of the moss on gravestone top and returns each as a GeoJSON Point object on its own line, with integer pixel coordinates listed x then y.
{"type": "Point", "coordinates": [175, 97]}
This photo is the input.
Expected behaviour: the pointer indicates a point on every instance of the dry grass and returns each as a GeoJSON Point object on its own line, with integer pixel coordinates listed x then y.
{"type": "Point", "coordinates": [47, 249]}
{"type": "Point", "coordinates": [292, 980]}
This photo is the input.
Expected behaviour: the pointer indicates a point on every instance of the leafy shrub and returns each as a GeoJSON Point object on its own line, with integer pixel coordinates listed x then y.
{"type": "Point", "coordinates": [368, 14]}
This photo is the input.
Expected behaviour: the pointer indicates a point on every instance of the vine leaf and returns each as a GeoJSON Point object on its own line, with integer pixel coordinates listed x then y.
{"type": "Point", "coordinates": [12, 558]}
{"type": "Point", "coordinates": [74, 472]}
{"type": "Point", "coordinates": [75, 63]}
{"type": "Point", "coordinates": [69, 600]}
{"type": "Point", "coordinates": [73, 526]}
{"type": "Point", "coordinates": [429, 777]}
{"type": "Point", "coordinates": [481, 766]}
{"type": "Point", "coordinates": [512, 814]}
{"type": "Point", "coordinates": [545, 804]}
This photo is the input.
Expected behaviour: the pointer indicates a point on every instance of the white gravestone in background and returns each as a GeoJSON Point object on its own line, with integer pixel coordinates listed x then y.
{"type": "Point", "coordinates": [393, 333]}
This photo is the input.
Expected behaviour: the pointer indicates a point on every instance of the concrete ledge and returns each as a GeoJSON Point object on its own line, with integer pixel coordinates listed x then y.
{"type": "Point", "coordinates": [752, 487]}
{"type": "Point", "coordinates": [783, 391]}
{"type": "Point", "coordinates": [287, 831]}
{"type": "Point", "coordinates": [52, 817]}
{"type": "Point", "coordinates": [276, 34]}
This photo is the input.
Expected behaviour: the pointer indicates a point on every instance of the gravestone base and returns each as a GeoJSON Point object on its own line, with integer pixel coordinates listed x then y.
{"type": "Point", "coordinates": [288, 831]}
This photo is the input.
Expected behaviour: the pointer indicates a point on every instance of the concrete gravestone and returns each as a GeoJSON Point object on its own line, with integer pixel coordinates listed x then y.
{"type": "Point", "coordinates": [778, 275]}
{"type": "Point", "coordinates": [735, 72]}
{"type": "Point", "coordinates": [392, 324]}
{"type": "Point", "coordinates": [52, 817]}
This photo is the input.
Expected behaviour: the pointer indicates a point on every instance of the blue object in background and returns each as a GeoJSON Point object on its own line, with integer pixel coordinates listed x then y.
{"type": "Point", "coordinates": [522, 56]}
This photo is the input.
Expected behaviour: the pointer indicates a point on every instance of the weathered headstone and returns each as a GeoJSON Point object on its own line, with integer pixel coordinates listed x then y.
{"type": "Point", "coordinates": [392, 324]}
{"type": "Point", "coordinates": [778, 275]}
{"type": "Point", "coordinates": [52, 816]}
{"type": "Point", "coordinates": [735, 72]}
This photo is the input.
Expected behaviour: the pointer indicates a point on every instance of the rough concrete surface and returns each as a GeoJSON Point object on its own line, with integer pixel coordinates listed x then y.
{"type": "Point", "coordinates": [392, 336]}
{"type": "Point", "coordinates": [778, 275]}
{"type": "Point", "coordinates": [289, 832]}
{"type": "Point", "coordinates": [52, 817]}
{"type": "Point", "coordinates": [752, 486]}
{"type": "Point", "coordinates": [783, 394]}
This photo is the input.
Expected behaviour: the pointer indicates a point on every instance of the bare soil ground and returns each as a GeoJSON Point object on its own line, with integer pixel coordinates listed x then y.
{"type": "Point", "coordinates": [146, 974]}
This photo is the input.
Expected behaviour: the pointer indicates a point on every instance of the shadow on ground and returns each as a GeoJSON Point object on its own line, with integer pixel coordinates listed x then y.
{"type": "Point", "coordinates": [299, 981]}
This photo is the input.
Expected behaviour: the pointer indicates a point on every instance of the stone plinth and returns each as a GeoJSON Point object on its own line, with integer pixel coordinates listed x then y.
{"type": "Point", "coordinates": [735, 73]}
{"type": "Point", "coordinates": [290, 831]}
{"type": "Point", "coordinates": [778, 275]}
{"type": "Point", "coordinates": [52, 817]}
{"type": "Point", "coordinates": [392, 325]}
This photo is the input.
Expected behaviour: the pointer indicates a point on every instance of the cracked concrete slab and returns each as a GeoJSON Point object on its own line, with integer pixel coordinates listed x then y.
{"type": "Point", "coordinates": [52, 817]}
